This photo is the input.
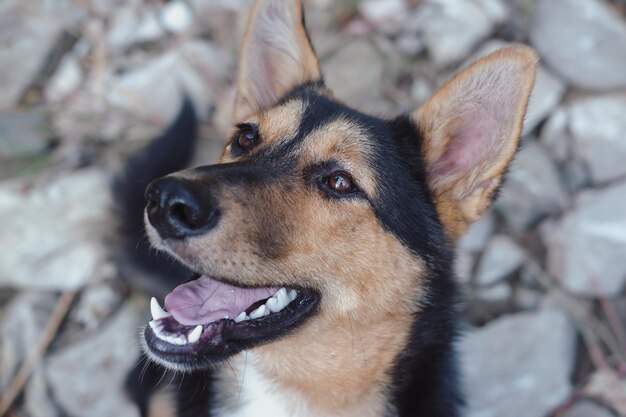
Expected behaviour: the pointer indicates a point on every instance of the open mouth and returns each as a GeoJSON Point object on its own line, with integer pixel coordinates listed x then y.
{"type": "Point", "coordinates": [206, 320]}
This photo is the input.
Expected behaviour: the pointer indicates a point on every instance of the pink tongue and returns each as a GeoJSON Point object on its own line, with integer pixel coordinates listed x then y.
{"type": "Point", "coordinates": [205, 300]}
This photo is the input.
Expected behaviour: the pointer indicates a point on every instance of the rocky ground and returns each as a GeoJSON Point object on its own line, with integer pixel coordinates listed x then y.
{"type": "Point", "coordinates": [85, 82]}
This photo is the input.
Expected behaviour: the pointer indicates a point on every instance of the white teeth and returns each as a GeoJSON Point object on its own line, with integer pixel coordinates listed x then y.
{"type": "Point", "coordinates": [274, 305]}
{"type": "Point", "coordinates": [282, 297]}
{"type": "Point", "coordinates": [155, 326]}
{"type": "Point", "coordinates": [242, 317]}
{"type": "Point", "coordinates": [195, 334]}
{"type": "Point", "coordinates": [292, 295]}
{"type": "Point", "coordinates": [260, 312]}
{"type": "Point", "coordinates": [157, 311]}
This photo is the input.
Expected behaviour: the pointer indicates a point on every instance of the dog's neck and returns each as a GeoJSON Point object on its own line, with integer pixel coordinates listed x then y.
{"type": "Point", "coordinates": [329, 368]}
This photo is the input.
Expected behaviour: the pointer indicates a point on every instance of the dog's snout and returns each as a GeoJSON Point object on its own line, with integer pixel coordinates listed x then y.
{"type": "Point", "coordinates": [178, 208]}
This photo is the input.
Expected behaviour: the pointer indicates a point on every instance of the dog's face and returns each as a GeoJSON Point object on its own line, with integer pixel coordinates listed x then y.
{"type": "Point", "coordinates": [318, 216]}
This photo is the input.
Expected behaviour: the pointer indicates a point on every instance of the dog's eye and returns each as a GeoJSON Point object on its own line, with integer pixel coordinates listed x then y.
{"type": "Point", "coordinates": [341, 182]}
{"type": "Point", "coordinates": [248, 137]}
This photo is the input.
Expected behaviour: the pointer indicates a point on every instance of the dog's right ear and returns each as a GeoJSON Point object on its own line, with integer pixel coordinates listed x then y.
{"type": "Point", "coordinates": [276, 56]}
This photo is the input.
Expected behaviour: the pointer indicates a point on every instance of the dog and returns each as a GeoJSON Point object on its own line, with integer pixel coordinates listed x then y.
{"type": "Point", "coordinates": [322, 242]}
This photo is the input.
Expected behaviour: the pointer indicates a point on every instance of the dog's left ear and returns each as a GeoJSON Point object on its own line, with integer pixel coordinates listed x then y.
{"type": "Point", "coordinates": [276, 56]}
{"type": "Point", "coordinates": [471, 129]}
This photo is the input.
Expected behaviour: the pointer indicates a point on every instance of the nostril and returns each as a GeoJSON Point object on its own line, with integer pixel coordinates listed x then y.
{"type": "Point", "coordinates": [186, 215]}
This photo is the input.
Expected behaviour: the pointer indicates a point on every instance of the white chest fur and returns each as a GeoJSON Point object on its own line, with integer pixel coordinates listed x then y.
{"type": "Point", "coordinates": [248, 393]}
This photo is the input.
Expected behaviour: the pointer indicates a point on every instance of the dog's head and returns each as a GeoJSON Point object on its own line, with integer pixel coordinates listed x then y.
{"type": "Point", "coordinates": [319, 217]}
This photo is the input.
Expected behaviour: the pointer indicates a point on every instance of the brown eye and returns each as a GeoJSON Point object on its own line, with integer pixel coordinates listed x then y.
{"type": "Point", "coordinates": [248, 138]}
{"type": "Point", "coordinates": [341, 182]}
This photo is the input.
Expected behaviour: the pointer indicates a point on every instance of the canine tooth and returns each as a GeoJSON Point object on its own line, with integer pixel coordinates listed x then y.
{"type": "Point", "coordinates": [157, 311]}
{"type": "Point", "coordinates": [259, 312]}
{"type": "Point", "coordinates": [195, 334]}
{"type": "Point", "coordinates": [241, 317]}
{"type": "Point", "coordinates": [292, 295]}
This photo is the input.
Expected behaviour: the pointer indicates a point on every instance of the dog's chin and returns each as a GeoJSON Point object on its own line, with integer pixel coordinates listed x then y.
{"type": "Point", "coordinates": [195, 334]}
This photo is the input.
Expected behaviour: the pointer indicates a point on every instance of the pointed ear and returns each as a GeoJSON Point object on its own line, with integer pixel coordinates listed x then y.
{"type": "Point", "coordinates": [471, 129]}
{"type": "Point", "coordinates": [276, 56]}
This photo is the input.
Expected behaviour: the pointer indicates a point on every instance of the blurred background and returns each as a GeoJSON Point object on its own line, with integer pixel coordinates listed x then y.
{"type": "Point", "coordinates": [85, 83]}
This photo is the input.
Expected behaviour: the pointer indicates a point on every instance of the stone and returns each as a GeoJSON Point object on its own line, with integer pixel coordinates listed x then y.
{"type": "Point", "coordinates": [102, 358]}
{"type": "Point", "coordinates": [545, 96]}
{"type": "Point", "coordinates": [478, 234]}
{"type": "Point", "coordinates": [464, 266]}
{"type": "Point", "coordinates": [609, 387]}
{"type": "Point", "coordinates": [177, 17]}
{"type": "Point", "coordinates": [501, 258]}
{"type": "Point", "coordinates": [23, 133]}
{"type": "Point", "coordinates": [132, 24]}
{"type": "Point", "coordinates": [66, 79]}
{"type": "Point", "coordinates": [27, 37]}
{"type": "Point", "coordinates": [587, 409]}
{"type": "Point", "coordinates": [518, 365]}
{"type": "Point", "coordinates": [155, 90]}
{"type": "Point", "coordinates": [583, 41]}
{"type": "Point", "coordinates": [385, 15]}
{"type": "Point", "coordinates": [23, 322]}
{"type": "Point", "coordinates": [597, 125]}
{"type": "Point", "coordinates": [339, 73]}
{"type": "Point", "coordinates": [497, 293]}
{"type": "Point", "coordinates": [452, 28]}
{"type": "Point", "coordinates": [56, 232]}
{"type": "Point", "coordinates": [37, 402]}
{"type": "Point", "coordinates": [533, 188]}
{"type": "Point", "coordinates": [586, 246]}
{"type": "Point", "coordinates": [555, 135]}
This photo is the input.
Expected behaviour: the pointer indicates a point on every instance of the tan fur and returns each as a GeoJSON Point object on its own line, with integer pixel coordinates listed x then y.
{"type": "Point", "coordinates": [276, 56]}
{"type": "Point", "coordinates": [462, 199]}
{"type": "Point", "coordinates": [161, 405]}
{"type": "Point", "coordinates": [276, 125]}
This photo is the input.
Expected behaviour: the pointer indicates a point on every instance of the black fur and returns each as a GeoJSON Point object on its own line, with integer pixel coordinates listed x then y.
{"type": "Point", "coordinates": [166, 154]}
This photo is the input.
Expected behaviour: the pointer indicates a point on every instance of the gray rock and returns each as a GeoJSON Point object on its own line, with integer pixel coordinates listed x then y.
{"type": "Point", "coordinates": [23, 133]}
{"type": "Point", "coordinates": [66, 79]}
{"type": "Point", "coordinates": [583, 41]}
{"type": "Point", "coordinates": [103, 359]}
{"type": "Point", "coordinates": [598, 125]}
{"type": "Point", "coordinates": [26, 36]}
{"type": "Point", "coordinates": [533, 188]}
{"type": "Point", "coordinates": [501, 258]}
{"type": "Point", "coordinates": [339, 72]}
{"type": "Point", "coordinates": [452, 28]}
{"type": "Point", "coordinates": [22, 325]}
{"type": "Point", "coordinates": [586, 247]}
{"type": "Point", "coordinates": [546, 95]}
{"type": "Point", "coordinates": [555, 135]}
{"type": "Point", "coordinates": [518, 365]}
{"type": "Point", "coordinates": [478, 234]}
{"type": "Point", "coordinates": [587, 409]}
{"type": "Point", "coordinates": [385, 15]}
{"type": "Point", "coordinates": [497, 293]}
{"type": "Point", "coordinates": [56, 233]}
{"type": "Point", "coordinates": [37, 402]}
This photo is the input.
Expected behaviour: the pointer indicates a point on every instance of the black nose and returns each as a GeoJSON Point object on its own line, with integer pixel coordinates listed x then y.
{"type": "Point", "coordinates": [178, 208]}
